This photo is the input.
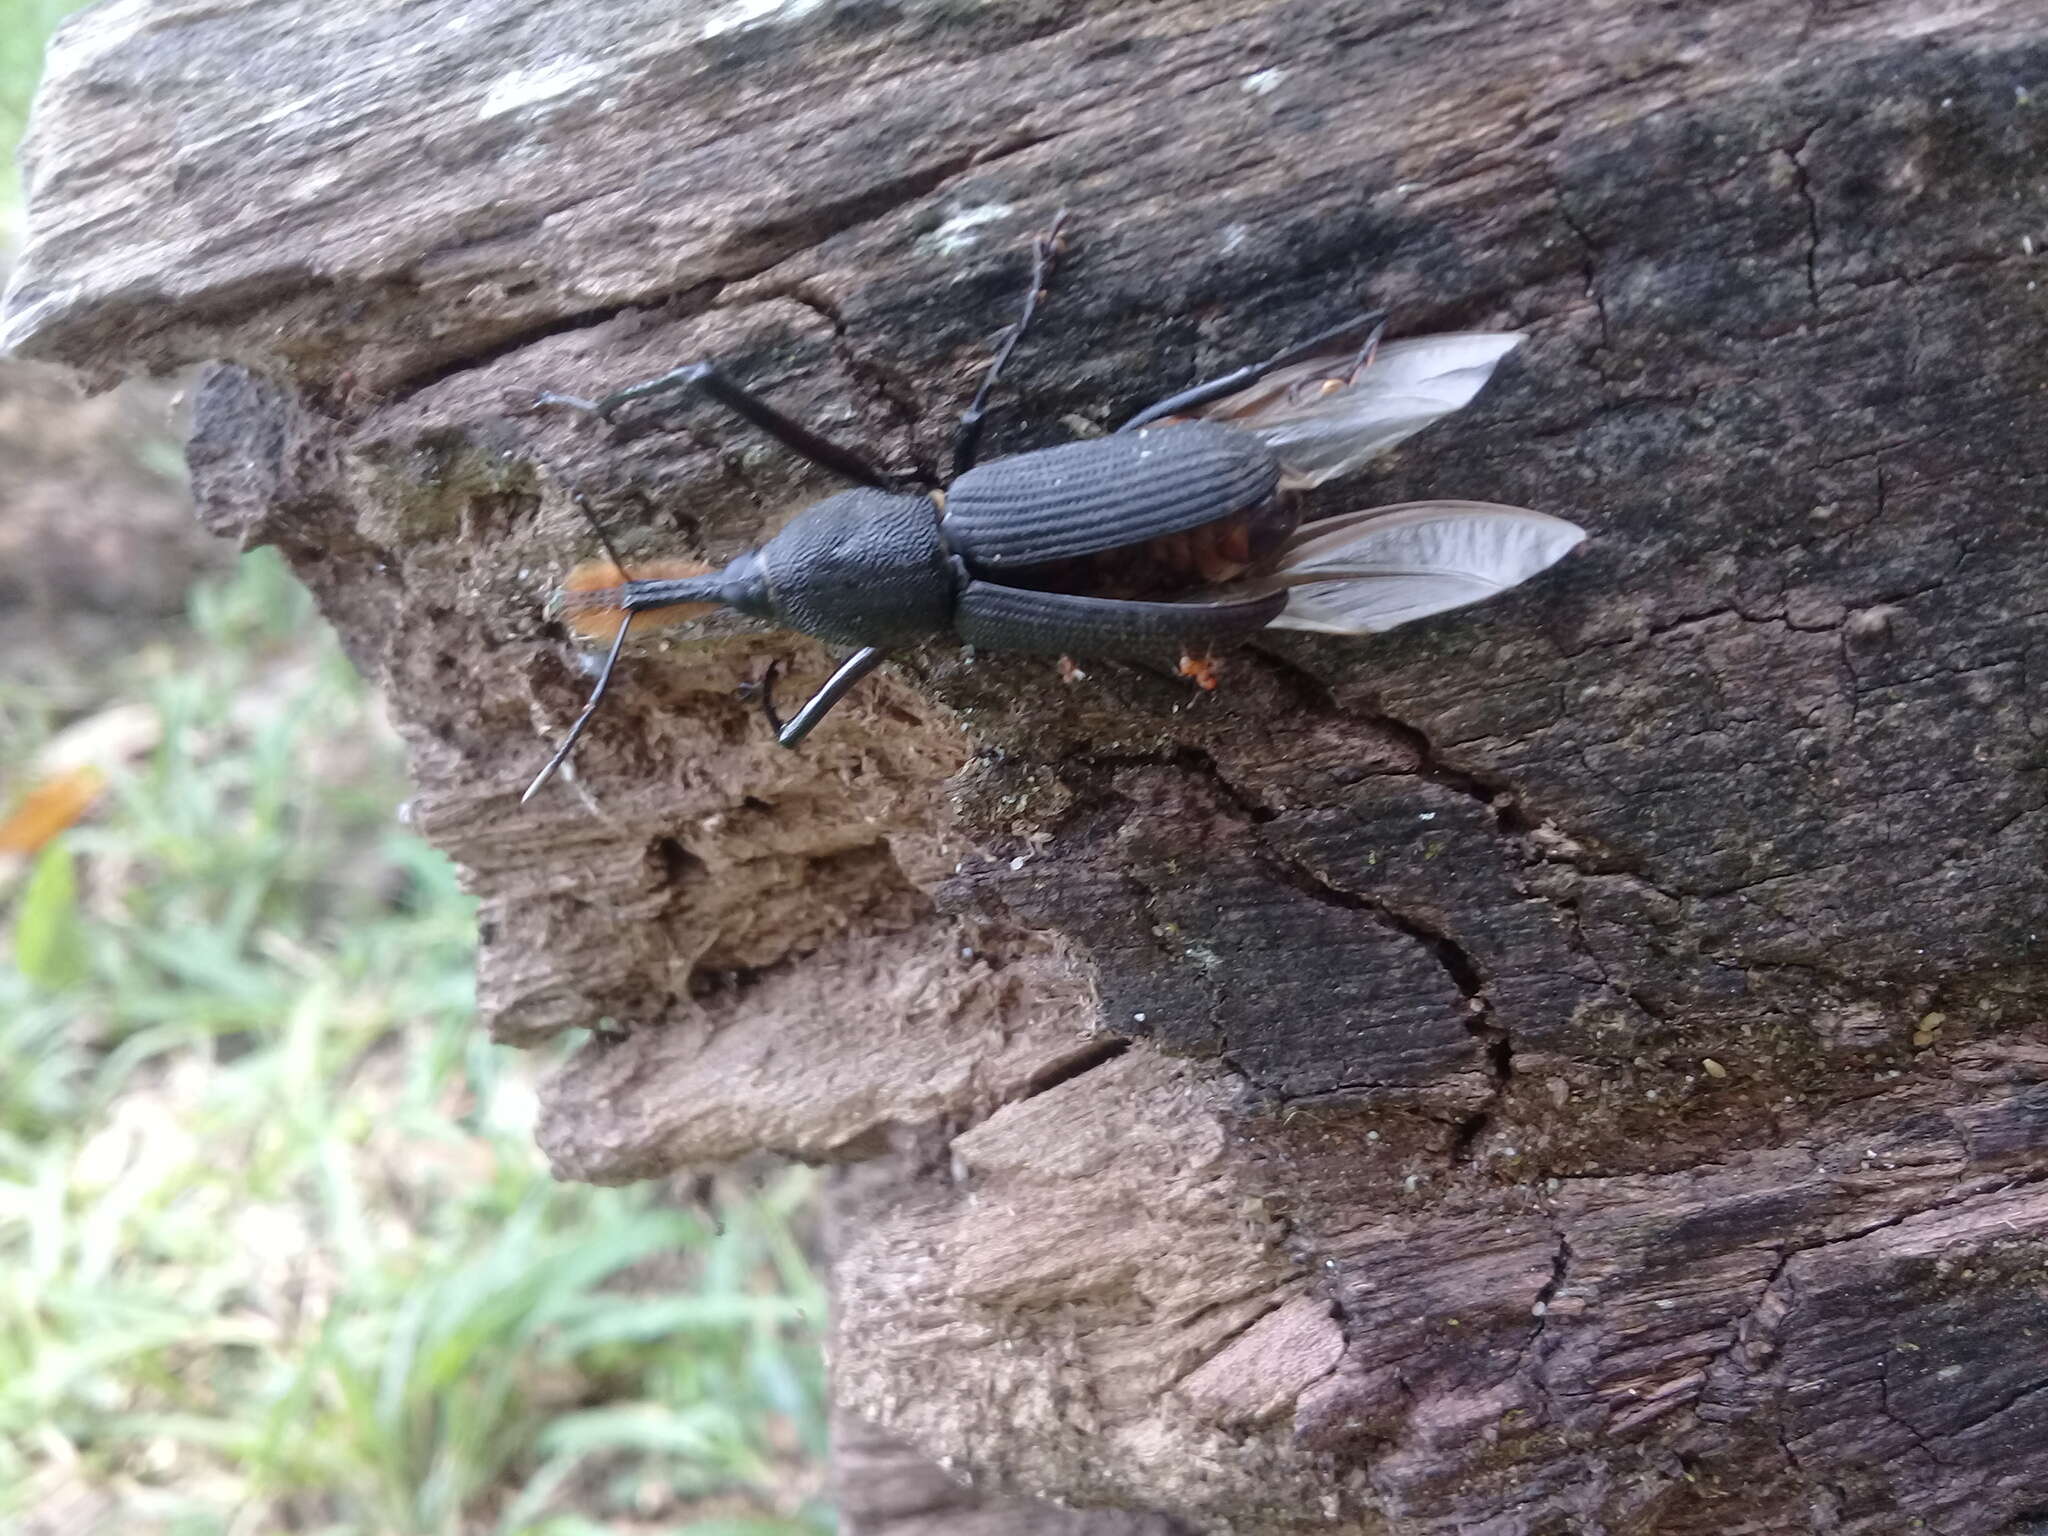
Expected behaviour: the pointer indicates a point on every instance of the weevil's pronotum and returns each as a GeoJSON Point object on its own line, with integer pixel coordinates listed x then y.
{"type": "Point", "coordinates": [1179, 532]}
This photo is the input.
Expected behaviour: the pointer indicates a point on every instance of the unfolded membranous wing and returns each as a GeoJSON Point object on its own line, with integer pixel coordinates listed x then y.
{"type": "Point", "coordinates": [1370, 571]}
{"type": "Point", "coordinates": [1321, 424]}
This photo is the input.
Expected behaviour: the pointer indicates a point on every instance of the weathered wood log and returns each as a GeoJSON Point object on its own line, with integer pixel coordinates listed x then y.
{"type": "Point", "coordinates": [1588, 1068]}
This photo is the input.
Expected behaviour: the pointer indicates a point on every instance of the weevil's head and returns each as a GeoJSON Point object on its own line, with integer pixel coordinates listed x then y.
{"type": "Point", "coordinates": [864, 567]}
{"type": "Point", "coordinates": [597, 596]}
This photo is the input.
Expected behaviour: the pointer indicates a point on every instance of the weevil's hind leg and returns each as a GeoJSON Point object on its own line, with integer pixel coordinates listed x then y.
{"type": "Point", "coordinates": [705, 379]}
{"type": "Point", "coordinates": [999, 618]}
{"type": "Point", "coordinates": [1370, 327]}
{"type": "Point", "coordinates": [1367, 351]}
{"type": "Point", "coordinates": [1045, 256]}
{"type": "Point", "coordinates": [604, 681]}
{"type": "Point", "coordinates": [837, 686]}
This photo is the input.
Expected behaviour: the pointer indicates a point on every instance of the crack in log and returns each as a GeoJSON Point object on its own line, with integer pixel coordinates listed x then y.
{"type": "Point", "coordinates": [888, 387]}
{"type": "Point", "coordinates": [808, 231]}
{"type": "Point", "coordinates": [1493, 791]}
{"type": "Point", "coordinates": [1884, 1402]}
{"type": "Point", "coordinates": [2011, 1401]}
{"type": "Point", "coordinates": [1274, 1301]}
{"type": "Point", "coordinates": [1455, 959]}
{"type": "Point", "coordinates": [1684, 624]}
{"type": "Point", "coordinates": [1802, 184]}
{"type": "Point", "coordinates": [1531, 1356]}
{"type": "Point", "coordinates": [1875, 450]}
{"type": "Point", "coordinates": [1457, 962]}
{"type": "Point", "coordinates": [1097, 1054]}
{"type": "Point", "coordinates": [1590, 264]}
{"type": "Point", "coordinates": [685, 301]}
{"type": "Point", "coordinates": [1743, 1338]}
{"type": "Point", "coordinates": [1990, 260]}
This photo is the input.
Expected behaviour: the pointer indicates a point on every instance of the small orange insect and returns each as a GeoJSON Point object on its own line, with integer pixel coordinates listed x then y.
{"type": "Point", "coordinates": [1202, 670]}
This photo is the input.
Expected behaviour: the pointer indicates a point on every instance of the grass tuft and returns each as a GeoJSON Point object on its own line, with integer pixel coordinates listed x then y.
{"type": "Point", "coordinates": [276, 1249]}
{"type": "Point", "coordinates": [25, 25]}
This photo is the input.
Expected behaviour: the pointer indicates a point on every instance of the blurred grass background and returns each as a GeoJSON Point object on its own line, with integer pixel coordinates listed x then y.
{"type": "Point", "coordinates": [24, 27]}
{"type": "Point", "coordinates": [277, 1252]}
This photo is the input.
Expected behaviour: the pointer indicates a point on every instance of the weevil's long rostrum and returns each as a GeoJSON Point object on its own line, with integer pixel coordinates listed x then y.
{"type": "Point", "coordinates": [1180, 532]}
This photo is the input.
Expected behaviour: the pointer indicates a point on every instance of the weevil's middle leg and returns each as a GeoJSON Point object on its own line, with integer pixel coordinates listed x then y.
{"type": "Point", "coordinates": [1367, 351]}
{"type": "Point", "coordinates": [705, 379]}
{"type": "Point", "coordinates": [1370, 326]}
{"type": "Point", "coordinates": [837, 686]}
{"type": "Point", "coordinates": [1345, 377]}
{"type": "Point", "coordinates": [1045, 256]}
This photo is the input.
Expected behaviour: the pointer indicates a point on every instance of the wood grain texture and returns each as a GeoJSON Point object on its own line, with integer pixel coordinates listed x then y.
{"type": "Point", "coordinates": [882, 1487]}
{"type": "Point", "coordinates": [1588, 1069]}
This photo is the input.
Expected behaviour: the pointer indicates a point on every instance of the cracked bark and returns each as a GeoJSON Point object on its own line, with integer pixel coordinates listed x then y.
{"type": "Point", "coordinates": [1289, 1111]}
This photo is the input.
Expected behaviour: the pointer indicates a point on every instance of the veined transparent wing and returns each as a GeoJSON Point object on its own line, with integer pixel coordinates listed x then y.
{"type": "Point", "coordinates": [1372, 570]}
{"type": "Point", "coordinates": [1320, 428]}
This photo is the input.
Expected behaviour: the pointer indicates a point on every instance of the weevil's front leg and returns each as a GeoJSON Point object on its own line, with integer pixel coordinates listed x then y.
{"type": "Point", "coordinates": [1045, 255]}
{"type": "Point", "coordinates": [604, 681]}
{"type": "Point", "coordinates": [1367, 327]}
{"type": "Point", "coordinates": [705, 379]}
{"type": "Point", "coordinates": [837, 686]}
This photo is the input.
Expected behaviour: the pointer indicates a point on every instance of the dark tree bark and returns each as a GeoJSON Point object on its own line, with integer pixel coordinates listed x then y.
{"type": "Point", "coordinates": [1587, 1069]}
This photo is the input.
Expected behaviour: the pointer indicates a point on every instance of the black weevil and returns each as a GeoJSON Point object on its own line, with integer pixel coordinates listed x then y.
{"type": "Point", "coordinates": [1179, 531]}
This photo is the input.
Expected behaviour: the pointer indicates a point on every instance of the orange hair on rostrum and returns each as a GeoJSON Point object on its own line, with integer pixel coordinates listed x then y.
{"type": "Point", "coordinates": [590, 596]}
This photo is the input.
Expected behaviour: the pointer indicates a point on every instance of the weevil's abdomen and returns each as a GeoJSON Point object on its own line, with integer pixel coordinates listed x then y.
{"type": "Point", "coordinates": [864, 567]}
{"type": "Point", "coordinates": [1174, 564]}
{"type": "Point", "coordinates": [1021, 515]}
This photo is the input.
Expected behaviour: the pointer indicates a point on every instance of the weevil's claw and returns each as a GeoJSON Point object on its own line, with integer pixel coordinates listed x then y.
{"type": "Point", "coordinates": [574, 402]}
{"type": "Point", "coordinates": [761, 691]}
{"type": "Point", "coordinates": [539, 781]}
{"type": "Point", "coordinates": [552, 767]}
{"type": "Point", "coordinates": [605, 409]}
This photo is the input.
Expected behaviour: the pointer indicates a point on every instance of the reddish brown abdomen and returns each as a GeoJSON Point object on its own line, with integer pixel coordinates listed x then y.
{"type": "Point", "coordinates": [1174, 564]}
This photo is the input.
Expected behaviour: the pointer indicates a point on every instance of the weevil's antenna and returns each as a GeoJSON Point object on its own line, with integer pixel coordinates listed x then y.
{"type": "Point", "coordinates": [568, 745]}
{"type": "Point", "coordinates": [611, 659]}
{"type": "Point", "coordinates": [1365, 356]}
{"type": "Point", "coordinates": [604, 541]}
{"type": "Point", "coordinates": [1046, 250]}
